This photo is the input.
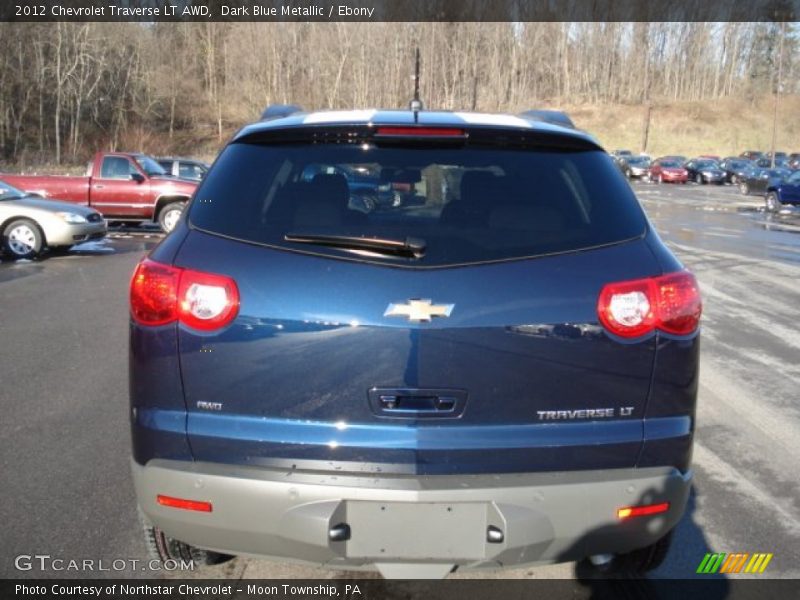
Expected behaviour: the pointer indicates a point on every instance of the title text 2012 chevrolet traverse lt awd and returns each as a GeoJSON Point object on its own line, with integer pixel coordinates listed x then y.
{"type": "Point", "coordinates": [497, 367]}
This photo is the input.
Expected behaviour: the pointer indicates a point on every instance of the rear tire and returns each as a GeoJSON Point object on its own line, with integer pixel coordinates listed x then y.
{"type": "Point", "coordinates": [161, 547]}
{"type": "Point", "coordinates": [22, 238]}
{"type": "Point", "coordinates": [636, 562]}
{"type": "Point", "coordinates": [169, 215]}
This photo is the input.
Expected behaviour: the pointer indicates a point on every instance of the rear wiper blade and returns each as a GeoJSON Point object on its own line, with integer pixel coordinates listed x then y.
{"type": "Point", "coordinates": [409, 247]}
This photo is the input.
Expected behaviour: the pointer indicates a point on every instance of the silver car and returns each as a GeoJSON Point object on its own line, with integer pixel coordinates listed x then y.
{"type": "Point", "coordinates": [30, 224]}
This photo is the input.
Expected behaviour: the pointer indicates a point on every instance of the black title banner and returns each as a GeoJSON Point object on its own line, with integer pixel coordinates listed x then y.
{"type": "Point", "coordinates": [398, 10]}
{"type": "Point", "coordinates": [378, 589]}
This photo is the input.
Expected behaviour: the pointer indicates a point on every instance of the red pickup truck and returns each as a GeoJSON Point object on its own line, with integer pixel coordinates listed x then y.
{"type": "Point", "coordinates": [122, 186]}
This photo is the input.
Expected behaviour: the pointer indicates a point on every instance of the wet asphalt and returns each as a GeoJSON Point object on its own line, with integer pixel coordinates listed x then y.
{"type": "Point", "coordinates": [65, 486]}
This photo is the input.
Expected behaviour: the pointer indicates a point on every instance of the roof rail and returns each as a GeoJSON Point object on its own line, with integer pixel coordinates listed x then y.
{"type": "Point", "coordinates": [554, 117]}
{"type": "Point", "coordinates": [278, 111]}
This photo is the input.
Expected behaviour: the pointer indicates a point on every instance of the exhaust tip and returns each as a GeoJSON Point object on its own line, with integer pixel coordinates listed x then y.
{"type": "Point", "coordinates": [339, 533]}
{"type": "Point", "coordinates": [601, 560]}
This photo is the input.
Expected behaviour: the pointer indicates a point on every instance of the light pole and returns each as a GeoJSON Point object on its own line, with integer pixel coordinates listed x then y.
{"type": "Point", "coordinates": [777, 93]}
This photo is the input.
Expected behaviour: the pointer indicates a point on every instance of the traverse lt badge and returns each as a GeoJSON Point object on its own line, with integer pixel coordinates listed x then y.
{"type": "Point", "coordinates": [419, 310]}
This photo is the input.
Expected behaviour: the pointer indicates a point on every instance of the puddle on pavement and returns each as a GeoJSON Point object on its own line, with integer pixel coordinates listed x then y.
{"type": "Point", "coordinates": [746, 231]}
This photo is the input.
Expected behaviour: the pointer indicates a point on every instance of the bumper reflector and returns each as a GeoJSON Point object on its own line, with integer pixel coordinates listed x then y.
{"type": "Point", "coordinates": [641, 511]}
{"type": "Point", "coordinates": [184, 504]}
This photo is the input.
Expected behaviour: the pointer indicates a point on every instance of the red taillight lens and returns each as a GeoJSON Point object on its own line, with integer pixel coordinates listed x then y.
{"type": "Point", "coordinates": [670, 303]}
{"type": "Point", "coordinates": [184, 504]}
{"type": "Point", "coordinates": [421, 131]}
{"type": "Point", "coordinates": [642, 511]}
{"type": "Point", "coordinates": [161, 294]}
{"type": "Point", "coordinates": [154, 293]}
{"type": "Point", "coordinates": [679, 304]}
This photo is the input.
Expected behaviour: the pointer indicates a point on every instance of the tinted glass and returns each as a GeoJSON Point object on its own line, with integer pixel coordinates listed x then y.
{"type": "Point", "coordinates": [190, 171]}
{"type": "Point", "coordinates": [467, 205]}
{"type": "Point", "coordinates": [7, 192]}
{"type": "Point", "coordinates": [706, 164]}
{"type": "Point", "coordinates": [117, 167]}
{"type": "Point", "coordinates": [150, 166]}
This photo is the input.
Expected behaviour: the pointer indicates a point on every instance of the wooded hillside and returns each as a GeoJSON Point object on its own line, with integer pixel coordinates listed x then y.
{"type": "Point", "coordinates": [69, 89]}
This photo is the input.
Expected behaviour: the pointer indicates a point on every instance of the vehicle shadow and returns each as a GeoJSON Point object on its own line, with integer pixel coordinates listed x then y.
{"type": "Point", "coordinates": [689, 546]}
{"type": "Point", "coordinates": [11, 269]}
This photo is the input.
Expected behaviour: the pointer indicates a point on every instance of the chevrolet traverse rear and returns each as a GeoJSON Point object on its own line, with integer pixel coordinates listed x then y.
{"type": "Point", "coordinates": [497, 367]}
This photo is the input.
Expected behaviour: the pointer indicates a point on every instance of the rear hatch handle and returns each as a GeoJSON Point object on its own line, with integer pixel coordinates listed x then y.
{"type": "Point", "coordinates": [416, 403]}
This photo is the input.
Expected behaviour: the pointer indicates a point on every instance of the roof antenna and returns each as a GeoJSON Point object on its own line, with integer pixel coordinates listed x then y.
{"type": "Point", "coordinates": [416, 103]}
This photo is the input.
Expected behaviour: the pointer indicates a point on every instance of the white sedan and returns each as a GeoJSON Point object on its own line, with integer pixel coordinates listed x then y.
{"type": "Point", "coordinates": [30, 224]}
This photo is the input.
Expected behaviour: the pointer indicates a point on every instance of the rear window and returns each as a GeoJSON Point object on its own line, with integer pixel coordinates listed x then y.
{"type": "Point", "coordinates": [465, 205]}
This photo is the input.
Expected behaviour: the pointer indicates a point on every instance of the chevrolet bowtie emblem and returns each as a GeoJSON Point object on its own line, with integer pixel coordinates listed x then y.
{"type": "Point", "coordinates": [419, 310]}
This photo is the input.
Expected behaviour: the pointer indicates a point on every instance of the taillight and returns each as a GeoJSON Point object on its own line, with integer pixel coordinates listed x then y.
{"type": "Point", "coordinates": [642, 511]}
{"type": "Point", "coordinates": [161, 294]}
{"type": "Point", "coordinates": [172, 502]}
{"type": "Point", "coordinates": [670, 303]}
{"type": "Point", "coordinates": [154, 293]}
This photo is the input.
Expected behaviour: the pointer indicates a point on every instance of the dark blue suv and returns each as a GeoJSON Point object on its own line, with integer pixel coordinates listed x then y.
{"type": "Point", "coordinates": [500, 371]}
{"type": "Point", "coordinates": [783, 192]}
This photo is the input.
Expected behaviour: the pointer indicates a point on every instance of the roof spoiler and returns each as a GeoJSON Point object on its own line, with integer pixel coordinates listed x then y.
{"type": "Point", "coordinates": [554, 117]}
{"type": "Point", "coordinates": [278, 111]}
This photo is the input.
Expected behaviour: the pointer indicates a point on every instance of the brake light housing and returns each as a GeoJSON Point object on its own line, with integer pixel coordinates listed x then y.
{"type": "Point", "coordinates": [669, 303]}
{"type": "Point", "coordinates": [162, 294]}
{"type": "Point", "coordinates": [417, 131]}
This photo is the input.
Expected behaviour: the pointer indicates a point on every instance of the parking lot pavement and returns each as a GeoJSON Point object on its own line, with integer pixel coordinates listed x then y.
{"type": "Point", "coordinates": [65, 487]}
{"type": "Point", "coordinates": [705, 197]}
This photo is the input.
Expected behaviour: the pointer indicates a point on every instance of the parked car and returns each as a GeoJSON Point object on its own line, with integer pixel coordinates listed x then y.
{"type": "Point", "coordinates": [312, 382]}
{"type": "Point", "coordinates": [635, 167]}
{"type": "Point", "coordinates": [766, 162]}
{"type": "Point", "coordinates": [367, 190]}
{"type": "Point", "coordinates": [185, 168]}
{"type": "Point", "coordinates": [783, 192]}
{"type": "Point", "coordinates": [122, 186]}
{"type": "Point", "coordinates": [734, 167]}
{"type": "Point", "coordinates": [30, 224]}
{"type": "Point", "coordinates": [778, 155]}
{"type": "Point", "coordinates": [666, 170]}
{"type": "Point", "coordinates": [704, 170]}
{"type": "Point", "coordinates": [757, 179]}
{"type": "Point", "coordinates": [620, 155]}
{"type": "Point", "coordinates": [752, 154]}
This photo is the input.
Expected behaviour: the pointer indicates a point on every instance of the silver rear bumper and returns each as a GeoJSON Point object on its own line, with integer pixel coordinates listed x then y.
{"type": "Point", "coordinates": [471, 521]}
